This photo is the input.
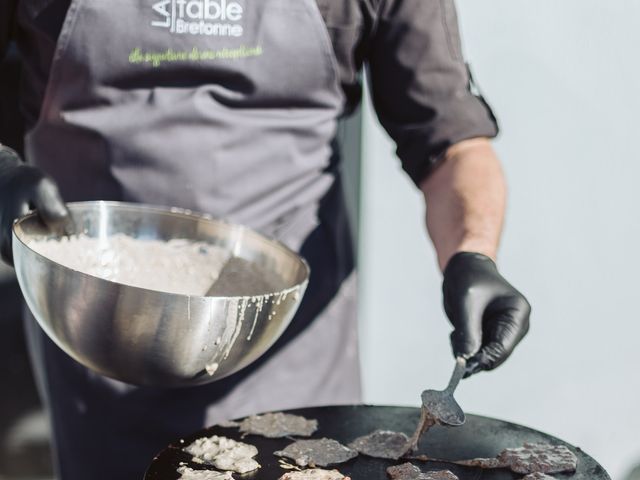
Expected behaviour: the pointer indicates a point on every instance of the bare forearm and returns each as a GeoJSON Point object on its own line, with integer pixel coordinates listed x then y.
{"type": "Point", "coordinates": [465, 199]}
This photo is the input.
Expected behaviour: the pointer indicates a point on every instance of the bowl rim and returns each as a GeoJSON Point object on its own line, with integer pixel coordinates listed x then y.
{"type": "Point", "coordinates": [18, 235]}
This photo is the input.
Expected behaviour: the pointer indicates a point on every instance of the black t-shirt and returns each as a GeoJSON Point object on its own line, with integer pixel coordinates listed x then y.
{"type": "Point", "coordinates": [419, 80]}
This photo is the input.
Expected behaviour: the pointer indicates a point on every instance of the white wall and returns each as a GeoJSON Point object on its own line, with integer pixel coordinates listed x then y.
{"type": "Point", "coordinates": [563, 78]}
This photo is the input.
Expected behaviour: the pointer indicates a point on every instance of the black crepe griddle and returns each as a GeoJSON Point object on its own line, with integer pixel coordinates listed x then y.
{"type": "Point", "coordinates": [478, 437]}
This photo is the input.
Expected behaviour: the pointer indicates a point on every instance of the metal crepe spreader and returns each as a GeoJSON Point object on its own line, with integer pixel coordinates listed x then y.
{"type": "Point", "coordinates": [439, 407]}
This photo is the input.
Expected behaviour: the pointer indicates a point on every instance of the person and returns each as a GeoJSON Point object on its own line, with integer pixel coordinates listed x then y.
{"type": "Point", "coordinates": [230, 107]}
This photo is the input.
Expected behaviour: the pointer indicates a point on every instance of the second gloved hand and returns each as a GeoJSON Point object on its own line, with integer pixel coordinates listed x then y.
{"type": "Point", "coordinates": [489, 315]}
{"type": "Point", "coordinates": [23, 187]}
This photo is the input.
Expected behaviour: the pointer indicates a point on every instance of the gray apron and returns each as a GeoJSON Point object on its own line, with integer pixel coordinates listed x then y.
{"type": "Point", "coordinates": [224, 107]}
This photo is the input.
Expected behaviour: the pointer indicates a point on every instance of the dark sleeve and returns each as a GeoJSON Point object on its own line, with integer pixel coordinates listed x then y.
{"type": "Point", "coordinates": [420, 83]}
{"type": "Point", "coordinates": [7, 16]}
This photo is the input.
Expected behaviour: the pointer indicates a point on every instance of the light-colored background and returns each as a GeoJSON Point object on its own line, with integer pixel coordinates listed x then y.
{"type": "Point", "coordinates": [562, 77]}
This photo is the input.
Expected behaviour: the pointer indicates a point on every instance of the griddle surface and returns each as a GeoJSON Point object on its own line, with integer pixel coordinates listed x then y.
{"type": "Point", "coordinates": [478, 437]}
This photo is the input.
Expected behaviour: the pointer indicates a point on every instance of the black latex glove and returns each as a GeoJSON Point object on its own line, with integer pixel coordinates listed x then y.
{"type": "Point", "coordinates": [22, 188]}
{"type": "Point", "coordinates": [490, 317]}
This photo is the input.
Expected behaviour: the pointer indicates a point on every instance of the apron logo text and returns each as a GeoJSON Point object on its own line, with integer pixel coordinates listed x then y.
{"type": "Point", "coordinates": [155, 59]}
{"type": "Point", "coordinates": [199, 17]}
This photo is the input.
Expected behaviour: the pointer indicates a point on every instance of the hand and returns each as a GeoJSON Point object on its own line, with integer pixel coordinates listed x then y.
{"type": "Point", "coordinates": [490, 317]}
{"type": "Point", "coordinates": [23, 187]}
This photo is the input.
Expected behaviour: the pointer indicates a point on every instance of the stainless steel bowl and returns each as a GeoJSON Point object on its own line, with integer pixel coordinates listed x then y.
{"type": "Point", "coordinates": [148, 337]}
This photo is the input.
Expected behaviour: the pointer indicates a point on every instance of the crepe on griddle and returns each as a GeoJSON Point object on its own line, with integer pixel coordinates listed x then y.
{"type": "Point", "coordinates": [187, 473]}
{"type": "Point", "coordinates": [314, 474]}
{"type": "Point", "coordinates": [381, 444]}
{"type": "Point", "coordinates": [531, 458]}
{"type": "Point", "coordinates": [539, 458]}
{"type": "Point", "coordinates": [408, 471]}
{"type": "Point", "coordinates": [278, 425]}
{"type": "Point", "coordinates": [317, 453]}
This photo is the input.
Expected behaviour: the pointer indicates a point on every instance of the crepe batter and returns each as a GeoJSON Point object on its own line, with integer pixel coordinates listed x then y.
{"type": "Point", "coordinates": [187, 473]}
{"type": "Point", "coordinates": [224, 454]}
{"type": "Point", "coordinates": [176, 266]}
{"type": "Point", "coordinates": [314, 474]}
